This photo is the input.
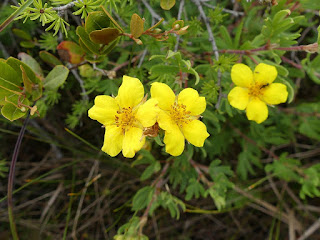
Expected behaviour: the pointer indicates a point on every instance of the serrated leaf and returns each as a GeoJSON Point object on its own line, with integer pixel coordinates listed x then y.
{"type": "Point", "coordinates": [167, 4]}
{"type": "Point", "coordinates": [142, 198]}
{"type": "Point", "coordinates": [284, 168]}
{"type": "Point", "coordinates": [56, 77]}
{"type": "Point", "coordinates": [194, 189]}
{"type": "Point", "coordinates": [153, 168]}
{"type": "Point", "coordinates": [136, 25]}
{"type": "Point", "coordinates": [310, 128]}
{"type": "Point", "coordinates": [104, 36]}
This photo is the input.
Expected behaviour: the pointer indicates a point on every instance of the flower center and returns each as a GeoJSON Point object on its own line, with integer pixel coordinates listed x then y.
{"type": "Point", "coordinates": [179, 114]}
{"type": "Point", "coordinates": [256, 90]}
{"type": "Point", "coordinates": [124, 118]}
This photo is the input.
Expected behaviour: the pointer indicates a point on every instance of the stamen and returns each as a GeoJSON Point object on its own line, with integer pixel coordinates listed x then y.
{"type": "Point", "coordinates": [124, 118]}
{"type": "Point", "coordinates": [179, 114]}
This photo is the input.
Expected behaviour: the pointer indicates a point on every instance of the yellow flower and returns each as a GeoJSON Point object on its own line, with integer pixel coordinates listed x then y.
{"type": "Point", "coordinates": [178, 116]}
{"type": "Point", "coordinates": [124, 118]}
{"type": "Point", "coordinates": [254, 90]}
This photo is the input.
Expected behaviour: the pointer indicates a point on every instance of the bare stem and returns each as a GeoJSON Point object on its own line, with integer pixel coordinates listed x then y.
{"type": "Point", "coordinates": [214, 47]}
{"type": "Point", "coordinates": [11, 178]}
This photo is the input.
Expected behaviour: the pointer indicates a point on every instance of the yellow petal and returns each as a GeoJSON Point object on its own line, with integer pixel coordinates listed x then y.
{"type": "Point", "coordinates": [104, 110]}
{"type": "Point", "coordinates": [131, 92]}
{"type": "Point", "coordinates": [147, 113]}
{"type": "Point", "coordinates": [264, 74]}
{"type": "Point", "coordinates": [133, 141]}
{"type": "Point", "coordinates": [195, 132]}
{"type": "Point", "coordinates": [241, 75]}
{"type": "Point", "coordinates": [113, 139]}
{"type": "Point", "coordinates": [163, 93]}
{"type": "Point", "coordinates": [257, 110]}
{"type": "Point", "coordinates": [275, 93]}
{"type": "Point", "coordinates": [165, 121]}
{"type": "Point", "coordinates": [238, 97]}
{"type": "Point", "coordinates": [174, 141]}
{"type": "Point", "coordinates": [190, 98]}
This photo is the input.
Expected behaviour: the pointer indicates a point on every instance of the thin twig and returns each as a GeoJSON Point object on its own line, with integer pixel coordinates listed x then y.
{"type": "Point", "coordinates": [144, 53]}
{"type": "Point", "coordinates": [232, 12]}
{"type": "Point", "coordinates": [214, 47]}
{"type": "Point", "coordinates": [65, 7]}
{"type": "Point", "coordinates": [178, 18]}
{"type": "Point", "coordinates": [84, 92]}
{"type": "Point", "coordinates": [310, 230]}
{"type": "Point", "coordinates": [152, 12]}
{"type": "Point", "coordinates": [83, 194]}
{"type": "Point", "coordinates": [11, 178]}
{"type": "Point", "coordinates": [158, 183]}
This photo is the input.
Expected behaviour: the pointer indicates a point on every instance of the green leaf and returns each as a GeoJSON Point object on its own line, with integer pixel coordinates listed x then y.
{"type": "Point", "coordinates": [85, 40]}
{"type": "Point", "coordinates": [11, 112]}
{"type": "Point", "coordinates": [142, 198]}
{"type": "Point", "coordinates": [104, 36]}
{"type": "Point", "coordinates": [161, 68]}
{"type": "Point", "coordinates": [56, 77]}
{"type": "Point", "coordinates": [108, 48]}
{"type": "Point", "coordinates": [284, 168]}
{"type": "Point", "coordinates": [8, 73]}
{"type": "Point", "coordinates": [310, 127]}
{"type": "Point", "coordinates": [289, 88]}
{"type": "Point", "coordinates": [236, 42]}
{"type": "Point", "coordinates": [194, 189]}
{"type": "Point", "coordinates": [15, 64]}
{"type": "Point", "coordinates": [215, 170]}
{"type": "Point", "coordinates": [22, 34]}
{"type": "Point", "coordinates": [96, 21]}
{"type": "Point", "coordinates": [136, 25]}
{"type": "Point", "coordinates": [31, 62]}
{"type": "Point", "coordinates": [279, 16]}
{"type": "Point", "coordinates": [167, 4]}
{"type": "Point", "coordinates": [27, 44]}
{"type": "Point", "coordinates": [49, 58]}
{"type": "Point", "coordinates": [147, 158]}
{"type": "Point", "coordinates": [226, 36]}
{"type": "Point", "coordinates": [153, 168]}
{"type": "Point", "coordinates": [26, 81]}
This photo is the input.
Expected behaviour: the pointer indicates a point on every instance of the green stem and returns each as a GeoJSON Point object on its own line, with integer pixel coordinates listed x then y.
{"type": "Point", "coordinates": [15, 14]}
{"type": "Point", "coordinates": [11, 177]}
